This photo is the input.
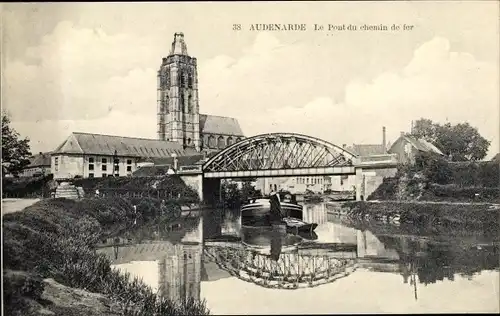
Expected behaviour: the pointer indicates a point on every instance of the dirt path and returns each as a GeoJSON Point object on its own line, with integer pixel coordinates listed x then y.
{"type": "Point", "coordinates": [15, 205]}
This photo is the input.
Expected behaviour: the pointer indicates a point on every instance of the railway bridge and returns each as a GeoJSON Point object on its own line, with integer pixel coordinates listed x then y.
{"type": "Point", "coordinates": [285, 155]}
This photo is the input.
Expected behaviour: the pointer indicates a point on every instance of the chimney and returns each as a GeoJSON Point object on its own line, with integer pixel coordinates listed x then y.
{"type": "Point", "coordinates": [402, 133]}
{"type": "Point", "coordinates": [344, 146]}
{"type": "Point", "coordinates": [384, 141]}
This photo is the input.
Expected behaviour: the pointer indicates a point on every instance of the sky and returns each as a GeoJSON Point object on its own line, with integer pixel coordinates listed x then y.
{"type": "Point", "coordinates": [91, 67]}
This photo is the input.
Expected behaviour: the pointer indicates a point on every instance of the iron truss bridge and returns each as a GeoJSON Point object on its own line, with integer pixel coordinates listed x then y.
{"type": "Point", "coordinates": [280, 154]}
{"type": "Point", "coordinates": [292, 270]}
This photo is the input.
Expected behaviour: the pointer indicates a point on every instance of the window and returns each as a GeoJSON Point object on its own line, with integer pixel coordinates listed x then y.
{"type": "Point", "coordinates": [104, 167]}
{"type": "Point", "coordinates": [91, 167]}
{"type": "Point", "coordinates": [91, 175]}
{"type": "Point", "coordinates": [56, 163]}
{"type": "Point", "coordinates": [183, 106]}
{"type": "Point", "coordinates": [116, 160]}
{"type": "Point", "coordinates": [211, 141]}
{"type": "Point", "coordinates": [117, 168]}
{"type": "Point", "coordinates": [104, 160]}
{"type": "Point", "coordinates": [129, 168]}
{"type": "Point", "coordinates": [91, 160]}
{"type": "Point", "coordinates": [129, 161]}
{"type": "Point", "coordinates": [104, 175]}
{"type": "Point", "coordinates": [190, 104]}
{"type": "Point", "coordinates": [220, 142]}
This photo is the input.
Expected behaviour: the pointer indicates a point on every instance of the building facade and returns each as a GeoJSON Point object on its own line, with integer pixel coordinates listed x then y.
{"type": "Point", "coordinates": [295, 185]}
{"type": "Point", "coordinates": [94, 155]}
{"type": "Point", "coordinates": [39, 165]}
{"type": "Point", "coordinates": [179, 118]}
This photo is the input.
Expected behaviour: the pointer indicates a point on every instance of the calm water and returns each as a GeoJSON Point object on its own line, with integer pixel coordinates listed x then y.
{"type": "Point", "coordinates": [343, 267]}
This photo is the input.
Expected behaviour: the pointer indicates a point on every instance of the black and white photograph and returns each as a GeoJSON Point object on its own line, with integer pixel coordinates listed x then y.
{"type": "Point", "coordinates": [250, 158]}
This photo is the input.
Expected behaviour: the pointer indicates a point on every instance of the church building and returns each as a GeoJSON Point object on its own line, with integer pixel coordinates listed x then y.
{"type": "Point", "coordinates": [182, 130]}
{"type": "Point", "coordinates": [179, 117]}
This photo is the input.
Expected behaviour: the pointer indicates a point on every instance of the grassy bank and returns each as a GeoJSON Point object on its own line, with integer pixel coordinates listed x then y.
{"type": "Point", "coordinates": [433, 178]}
{"type": "Point", "coordinates": [54, 239]}
{"type": "Point", "coordinates": [473, 215]}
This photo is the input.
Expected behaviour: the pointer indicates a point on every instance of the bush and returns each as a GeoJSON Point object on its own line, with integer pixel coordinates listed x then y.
{"type": "Point", "coordinates": [475, 174]}
{"type": "Point", "coordinates": [27, 186]}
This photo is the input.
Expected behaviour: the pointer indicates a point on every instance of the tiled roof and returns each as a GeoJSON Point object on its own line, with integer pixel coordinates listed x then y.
{"type": "Point", "coordinates": [39, 160]}
{"type": "Point", "coordinates": [367, 149]}
{"type": "Point", "coordinates": [220, 125]}
{"type": "Point", "coordinates": [181, 161]}
{"type": "Point", "coordinates": [421, 144]}
{"type": "Point", "coordinates": [150, 171]}
{"type": "Point", "coordinates": [97, 144]}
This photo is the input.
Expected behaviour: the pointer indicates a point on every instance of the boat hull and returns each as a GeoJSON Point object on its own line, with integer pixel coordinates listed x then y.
{"type": "Point", "coordinates": [259, 212]}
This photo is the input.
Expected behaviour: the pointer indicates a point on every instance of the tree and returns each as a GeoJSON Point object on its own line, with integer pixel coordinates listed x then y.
{"type": "Point", "coordinates": [15, 151]}
{"type": "Point", "coordinates": [461, 142]}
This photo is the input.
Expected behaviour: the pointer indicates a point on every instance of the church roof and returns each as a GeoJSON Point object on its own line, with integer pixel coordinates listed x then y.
{"type": "Point", "coordinates": [220, 125]}
{"type": "Point", "coordinates": [97, 144]}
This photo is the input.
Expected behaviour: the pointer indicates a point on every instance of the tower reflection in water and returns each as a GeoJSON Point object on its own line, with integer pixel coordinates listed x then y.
{"type": "Point", "coordinates": [178, 273]}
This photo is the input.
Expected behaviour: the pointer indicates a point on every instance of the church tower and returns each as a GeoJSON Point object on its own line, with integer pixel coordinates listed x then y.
{"type": "Point", "coordinates": [177, 101]}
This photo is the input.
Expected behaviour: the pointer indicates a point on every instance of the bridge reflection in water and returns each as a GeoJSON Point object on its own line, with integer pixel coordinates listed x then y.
{"type": "Point", "coordinates": [217, 246]}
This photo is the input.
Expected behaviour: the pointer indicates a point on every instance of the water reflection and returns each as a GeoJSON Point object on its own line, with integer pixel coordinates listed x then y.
{"type": "Point", "coordinates": [167, 260]}
{"type": "Point", "coordinates": [380, 260]}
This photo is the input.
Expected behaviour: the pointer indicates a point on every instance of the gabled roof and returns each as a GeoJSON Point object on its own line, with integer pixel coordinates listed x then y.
{"type": "Point", "coordinates": [97, 144]}
{"type": "Point", "coordinates": [420, 144]}
{"type": "Point", "coordinates": [496, 158]}
{"type": "Point", "coordinates": [42, 159]}
{"type": "Point", "coordinates": [367, 149]}
{"type": "Point", "coordinates": [220, 125]}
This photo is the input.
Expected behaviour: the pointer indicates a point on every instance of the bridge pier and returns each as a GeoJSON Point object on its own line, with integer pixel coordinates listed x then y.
{"type": "Point", "coordinates": [360, 185]}
{"type": "Point", "coordinates": [211, 191]}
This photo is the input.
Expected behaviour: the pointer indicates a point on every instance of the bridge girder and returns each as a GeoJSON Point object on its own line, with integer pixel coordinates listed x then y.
{"type": "Point", "coordinates": [278, 151]}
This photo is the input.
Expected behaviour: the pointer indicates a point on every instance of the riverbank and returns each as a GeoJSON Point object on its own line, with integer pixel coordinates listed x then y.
{"type": "Point", "coordinates": [425, 213]}
{"type": "Point", "coordinates": [52, 243]}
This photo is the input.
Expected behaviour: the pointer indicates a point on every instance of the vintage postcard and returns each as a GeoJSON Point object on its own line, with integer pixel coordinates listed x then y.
{"type": "Point", "coordinates": [213, 158]}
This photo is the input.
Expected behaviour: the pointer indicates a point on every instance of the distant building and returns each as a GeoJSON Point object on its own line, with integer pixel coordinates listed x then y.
{"type": "Point", "coordinates": [39, 165]}
{"type": "Point", "coordinates": [347, 183]}
{"type": "Point", "coordinates": [317, 184]}
{"type": "Point", "coordinates": [94, 155]}
{"type": "Point", "coordinates": [179, 118]}
{"type": "Point", "coordinates": [406, 147]}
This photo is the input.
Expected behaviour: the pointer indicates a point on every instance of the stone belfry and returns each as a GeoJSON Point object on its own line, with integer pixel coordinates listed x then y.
{"type": "Point", "coordinates": [178, 109]}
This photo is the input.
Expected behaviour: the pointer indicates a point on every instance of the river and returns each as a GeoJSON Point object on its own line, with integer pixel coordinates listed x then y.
{"type": "Point", "coordinates": [343, 267]}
